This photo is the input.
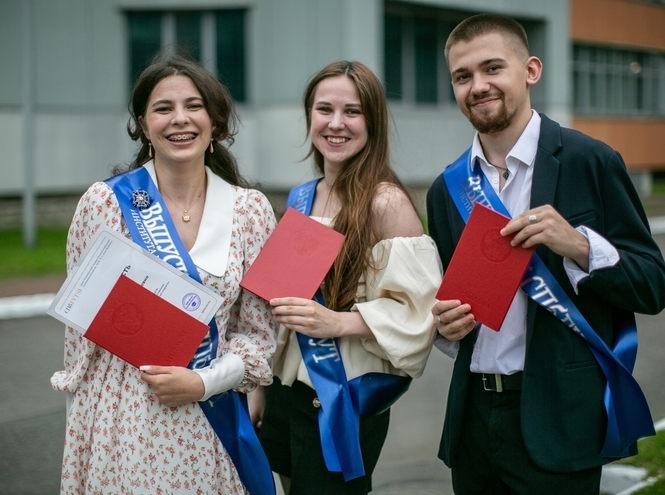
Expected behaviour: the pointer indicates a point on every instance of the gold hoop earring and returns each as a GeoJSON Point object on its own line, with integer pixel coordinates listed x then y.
{"type": "Point", "coordinates": [212, 150]}
{"type": "Point", "coordinates": [149, 149]}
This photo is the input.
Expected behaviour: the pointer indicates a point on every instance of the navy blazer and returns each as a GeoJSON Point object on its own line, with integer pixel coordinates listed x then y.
{"type": "Point", "coordinates": [562, 411]}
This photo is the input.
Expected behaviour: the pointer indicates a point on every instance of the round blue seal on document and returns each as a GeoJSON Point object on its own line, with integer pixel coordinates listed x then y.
{"type": "Point", "coordinates": [191, 302]}
{"type": "Point", "coordinates": [141, 199]}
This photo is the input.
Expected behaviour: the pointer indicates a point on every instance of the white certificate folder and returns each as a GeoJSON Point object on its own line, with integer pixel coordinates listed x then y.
{"type": "Point", "coordinates": [110, 255]}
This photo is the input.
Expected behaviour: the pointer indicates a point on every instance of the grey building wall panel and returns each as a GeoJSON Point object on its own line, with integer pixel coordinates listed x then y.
{"type": "Point", "coordinates": [426, 141]}
{"type": "Point", "coordinates": [11, 156]}
{"type": "Point", "coordinates": [292, 39]}
{"type": "Point", "coordinates": [79, 54]}
{"type": "Point", "coordinates": [10, 53]}
{"type": "Point", "coordinates": [270, 146]}
{"type": "Point", "coordinates": [77, 150]}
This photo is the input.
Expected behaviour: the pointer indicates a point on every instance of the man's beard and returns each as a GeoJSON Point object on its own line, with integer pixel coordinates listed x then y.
{"type": "Point", "coordinates": [489, 123]}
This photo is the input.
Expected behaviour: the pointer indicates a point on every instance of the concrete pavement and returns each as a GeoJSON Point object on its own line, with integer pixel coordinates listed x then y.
{"type": "Point", "coordinates": [32, 418]}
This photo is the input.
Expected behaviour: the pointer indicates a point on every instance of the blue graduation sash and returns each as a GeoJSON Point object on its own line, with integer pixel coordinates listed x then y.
{"type": "Point", "coordinates": [342, 401]}
{"type": "Point", "coordinates": [628, 416]}
{"type": "Point", "coordinates": [152, 228]}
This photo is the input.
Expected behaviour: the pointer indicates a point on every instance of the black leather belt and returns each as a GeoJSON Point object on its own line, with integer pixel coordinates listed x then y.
{"type": "Point", "coordinates": [498, 383]}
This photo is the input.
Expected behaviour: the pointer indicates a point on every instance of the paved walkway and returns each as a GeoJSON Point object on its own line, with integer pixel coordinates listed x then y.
{"type": "Point", "coordinates": [30, 285]}
{"type": "Point", "coordinates": [26, 297]}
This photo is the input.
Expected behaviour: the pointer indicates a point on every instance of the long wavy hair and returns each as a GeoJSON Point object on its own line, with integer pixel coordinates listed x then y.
{"type": "Point", "coordinates": [216, 99]}
{"type": "Point", "coordinates": [357, 183]}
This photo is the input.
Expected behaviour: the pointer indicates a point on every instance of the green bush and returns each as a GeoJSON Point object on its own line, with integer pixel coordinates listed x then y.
{"type": "Point", "coordinates": [651, 457]}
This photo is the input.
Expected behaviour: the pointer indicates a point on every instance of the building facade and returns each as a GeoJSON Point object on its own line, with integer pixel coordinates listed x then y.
{"type": "Point", "coordinates": [618, 70]}
{"type": "Point", "coordinates": [84, 54]}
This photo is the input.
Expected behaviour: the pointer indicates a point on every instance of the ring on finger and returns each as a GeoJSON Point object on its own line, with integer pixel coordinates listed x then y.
{"type": "Point", "coordinates": [440, 320]}
{"type": "Point", "coordinates": [533, 219]}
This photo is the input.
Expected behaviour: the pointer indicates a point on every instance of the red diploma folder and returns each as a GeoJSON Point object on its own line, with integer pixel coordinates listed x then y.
{"type": "Point", "coordinates": [295, 259]}
{"type": "Point", "coordinates": [143, 329]}
{"type": "Point", "coordinates": [485, 270]}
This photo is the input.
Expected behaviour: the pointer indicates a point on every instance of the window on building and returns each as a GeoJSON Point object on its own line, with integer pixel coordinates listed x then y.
{"type": "Point", "coordinates": [414, 62]}
{"type": "Point", "coordinates": [215, 38]}
{"type": "Point", "coordinates": [609, 81]}
{"type": "Point", "coordinates": [415, 67]}
{"type": "Point", "coordinates": [144, 41]}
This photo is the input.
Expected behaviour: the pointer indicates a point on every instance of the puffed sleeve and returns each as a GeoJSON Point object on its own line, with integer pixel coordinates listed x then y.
{"type": "Point", "coordinates": [96, 208]}
{"type": "Point", "coordinates": [398, 297]}
{"type": "Point", "coordinates": [251, 330]}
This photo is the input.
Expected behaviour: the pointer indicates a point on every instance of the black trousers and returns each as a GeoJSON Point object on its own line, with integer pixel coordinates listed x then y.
{"type": "Point", "coordinates": [492, 458]}
{"type": "Point", "coordinates": [290, 436]}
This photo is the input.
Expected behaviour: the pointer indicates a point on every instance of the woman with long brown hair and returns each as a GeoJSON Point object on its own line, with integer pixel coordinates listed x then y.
{"type": "Point", "coordinates": [324, 435]}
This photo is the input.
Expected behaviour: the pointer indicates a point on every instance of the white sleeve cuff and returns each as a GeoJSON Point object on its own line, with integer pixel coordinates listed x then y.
{"type": "Point", "coordinates": [602, 254]}
{"type": "Point", "coordinates": [224, 373]}
{"type": "Point", "coordinates": [448, 347]}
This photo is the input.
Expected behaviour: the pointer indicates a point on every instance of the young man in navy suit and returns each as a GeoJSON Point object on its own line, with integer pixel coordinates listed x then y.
{"type": "Point", "coordinates": [526, 412]}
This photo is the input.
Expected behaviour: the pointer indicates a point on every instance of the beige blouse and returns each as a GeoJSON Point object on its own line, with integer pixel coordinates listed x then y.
{"type": "Point", "coordinates": [395, 300]}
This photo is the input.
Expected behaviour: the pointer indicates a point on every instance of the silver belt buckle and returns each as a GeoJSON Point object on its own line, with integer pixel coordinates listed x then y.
{"type": "Point", "coordinates": [497, 380]}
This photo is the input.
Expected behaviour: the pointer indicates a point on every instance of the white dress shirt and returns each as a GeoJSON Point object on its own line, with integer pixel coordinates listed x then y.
{"type": "Point", "coordinates": [503, 351]}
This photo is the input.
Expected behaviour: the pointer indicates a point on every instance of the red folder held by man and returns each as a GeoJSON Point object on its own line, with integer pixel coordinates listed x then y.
{"type": "Point", "coordinates": [485, 271]}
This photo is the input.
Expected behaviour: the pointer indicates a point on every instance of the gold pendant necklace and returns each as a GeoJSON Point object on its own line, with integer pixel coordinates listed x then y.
{"type": "Point", "coordinates": [185, 215]}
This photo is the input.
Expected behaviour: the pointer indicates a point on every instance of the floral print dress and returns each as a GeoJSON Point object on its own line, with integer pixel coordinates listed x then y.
{"type": "Point", "coordinates": [119, 437]}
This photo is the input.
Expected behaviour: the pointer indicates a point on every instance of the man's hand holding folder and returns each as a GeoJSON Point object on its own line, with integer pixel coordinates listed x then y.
{"type": "Point", "coordinates": [485, 271]}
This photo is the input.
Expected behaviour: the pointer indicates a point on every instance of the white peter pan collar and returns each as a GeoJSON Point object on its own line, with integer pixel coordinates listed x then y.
{"type": "Point", "coordinates": [211, 249]}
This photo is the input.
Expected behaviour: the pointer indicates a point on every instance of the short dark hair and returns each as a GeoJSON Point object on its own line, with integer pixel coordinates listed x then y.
{"type": "Point", "coordinates": [480, 24]}
{"type": "Point", "coordinates": [216, 99]}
